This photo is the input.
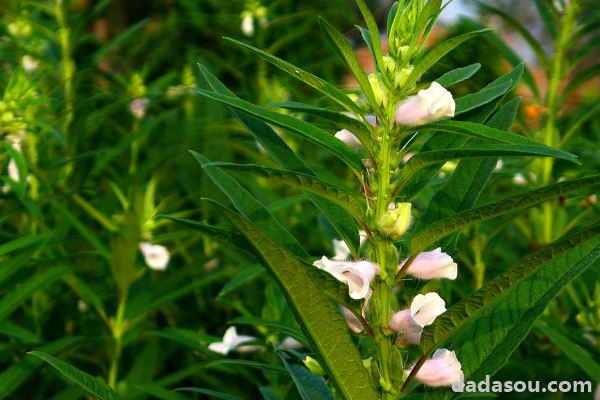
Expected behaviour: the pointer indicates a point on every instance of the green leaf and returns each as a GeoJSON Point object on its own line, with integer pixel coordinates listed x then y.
{"type": "Point", "coordinates": [346, 52]}
{"type": "Point", "coordinates": [286, 158]}
{"type": "Point", "coordinates": [439, 51]}
{"type": "Point", "coordinates": [13, 299]}
{"type": "Point", "coordinates": [391, 16]}
{"type": "Point", "coordinates": [310, 386]}
{"type": "Point", "coordinates": [246, 204]}
{"type": "Point", "coordinates": [548, 17]}
{"type": "Point", "coordinates": [426, 158]}
{"type": "Point", "coordinates": [299, 127]}
{"type": "Point", "coordinates": [274, 326]}
{"type": "Point", "coordinates": [323, 325]}
{"type": "Point", "coordinates": [581, 78]}
{"type": "Point", "coordinates": [468, 180]}
{"type": "Point", "coordinates": [343, 121]}
{"type": "Point", "coordinates": [194, 340]}
{"type": "Point", "coordinates": [22, 242]}
{"type": "Point", "coordinates": [16, 331]}
{"type": "Point", "coordinates": [502, 325]}
{"type": "Point", "coordinates": [250, 364]}
{"type": "Point", "coordinates": [208, 392]}
{"type": "Point", "coordinates": [160, 392]}
{"type": "Point", "coordinates": [373, 30]}
{"type": "Point", "coordinates": [484, 96]}
{"type": "Point", "coordinates": [572, 350]}
{"type": "Point", "coordinates": [533, 43]}
{"type": "Point", "coordinates": [486, 132]}
{"type": "Point", "coordinates": [327, 190]}
{"type": "Point", "coordinates": [319, 84]}
{"type": "Point", "coordinates": [86, 232]}
{"type": "Point", "coordinates": [440, 229]}
{"type": "Point", "coordinates": [14, 375]}
{"type": "Point", "coordinates": [247, 274]}
{"type": "Point", "coordinates": [93, 386]}
{"type": "Point", "coordinates": [458, 75]}
{"type": "Point", "coordinates": [268, 394]}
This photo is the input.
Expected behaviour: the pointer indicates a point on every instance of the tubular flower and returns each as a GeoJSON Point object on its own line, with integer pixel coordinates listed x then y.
{"type": "Point", "coordinates": [232, 341]}
{"type": "Point", "coordinates": [341, 249]}
{"type": "Point", "coordinates": [442, 369]}
{"type": "Point", "coordinates": [156, 256]}
{"type": "Point", "coordinates": [431, 265]}
{"type": "Point", "coordinates": [427, 106]}
{"type": "Point", "coordinates": [353, 323]}
{"type": "Point", "coordinates": [409, 323]}
{"type": "Point", "coordinates": [350, 138]}
{"type": "Point", "coordinates": [356, 274]}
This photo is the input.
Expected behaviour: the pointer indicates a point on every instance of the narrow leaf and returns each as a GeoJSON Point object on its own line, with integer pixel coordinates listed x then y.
{"type": "Point", "coordinates": [458, 75]}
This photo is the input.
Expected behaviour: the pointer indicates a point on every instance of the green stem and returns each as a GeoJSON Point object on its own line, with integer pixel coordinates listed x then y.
{"type": "Point", "coordinates": [118, 329]}
{"type": "Point", "coordinates": [68, 65]}
{"type": "Point", "coordinates": [555, 77]}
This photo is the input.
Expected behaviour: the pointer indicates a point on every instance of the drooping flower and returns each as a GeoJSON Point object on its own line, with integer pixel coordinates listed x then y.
{"type": "Point", "coordinates": [353, 323]}
{"type": "Point", "coordinates": [428, 105]}
{"type": "Point", "coordinates": [156, 256]}
{"type": "Point", "coordinates": [395, 222]}
{"type": "Point", "coordinates": [431, 265]}
{"type": "Point", "coordinates": [356, 274]}
{"type": "Point", "coordinates": [342, 251]}
{"type": "Point", "coordinates": [409, 323]}
{"type": "Point", "coordinates": [232, 341]}
{"type": "Point", "coordinates": [138, 107]}
{"type": "Point", "coordinates": [442, 369]}
{"type": "Point", "coordinates": [350, 138]}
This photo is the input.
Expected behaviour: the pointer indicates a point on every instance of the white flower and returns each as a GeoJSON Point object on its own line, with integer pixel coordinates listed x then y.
{"type": "Point", "coordinates": [138, 107]}
{"type": "Point", "coordinates": [422, 312]}
{"type": "Point", "coordinates": [356, 274]}
{"type": "Point", "coordinates": [427, 106]}
{"type": "Point", "coordinates": [431, 265]}
{"type": "Point", "coordinates": [29, 63]}
{"type": "Point", "coordinates": [247, 23]}
{"type": "Point", "coordinates": [351, 320]}
{"type": "Point", "coordinates": [156, 256]}
{"type": "Point", "coordinates": [342, 251]}
{"type": "Point", "coordinates": [350, 138]}
{"type": "Point", "coordinates": [232, 341]}
{"type": "Point", "coordinates": [289, 343]}
{"type": "Point", "coordinates": [13, 170]}
{"type": "Point", "coordinates": [442, 369]}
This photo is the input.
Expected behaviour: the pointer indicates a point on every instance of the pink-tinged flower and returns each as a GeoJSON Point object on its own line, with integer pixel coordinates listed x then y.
{"type": "Point", "coordinates": [409, 323]}
{"type": "Point", "coordinates": [289, 343]}
{"type": "Point", "coordinates": [138, 107]}
{"type": "Point", "coordinates": [353, 323]}
{"type": "Point", "coordinates": [350, 138]}
{"type": "Point", "coordinates": [356, 274]}
{"type": "Point", "coordinates": [431, 265]}
{"type": "Point", "coordinates": [29, 63]}
{"type": "Point", "coordinates": [442, 369]}
{"type": "Point", "coordinates": [232, 341]}
{"type": "Point", "coordinates": [427, 106]}
{"type": "Point", "coordinates": [342, 251]}
{"type": "Point", "coordinates": [156, 256]}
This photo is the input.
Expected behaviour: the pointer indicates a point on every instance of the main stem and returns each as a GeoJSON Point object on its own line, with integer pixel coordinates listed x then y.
{"type": "Point", "coordinates": [555, 76]}
{"type": "Point", "coordinates": [382, 289]}
{"type": "Point", "coordinates": [118, 328]}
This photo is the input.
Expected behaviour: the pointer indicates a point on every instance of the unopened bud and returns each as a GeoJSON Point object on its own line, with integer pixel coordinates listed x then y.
{"type": "Point", "coordinates": [377, 89]}
{"type": "Point", "coordinates": [396, 222]}
{"type": "Point", "coordinates": [314, 366]}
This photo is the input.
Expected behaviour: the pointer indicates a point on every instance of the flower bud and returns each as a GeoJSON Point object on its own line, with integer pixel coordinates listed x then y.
{"type": "Point", "coordinates": [442, 369]}
{"type": "Point", "coordinates": [156, 256]}
{"type": "Point", "coordinates": [356, 274]}
{"type": "Point", "coordinates": [431, 265]}
{"type": "Point", "coordinates": [314, 366]}
{"type": "Point", "coordinates": [247, 26]}
{"type": "Point", "coordinates": [402, 75]}
{"type": "Point", "coordinates": [378, 90]}
{"type": "Point", "coordinates": [396, 222]}
{"type": "Point", "coordinates": [427, 106]}
{"type": "Point", "coordinates": [409, 323]}
{"type": "Point", "coordinates": [232, 341]}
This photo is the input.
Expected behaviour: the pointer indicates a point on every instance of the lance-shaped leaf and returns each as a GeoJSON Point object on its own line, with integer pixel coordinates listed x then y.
{"type": "Point", "coordinates": [426, 158]}
{"type": "Point", "coordinates": [342, 121]}
{"type": "Point", "coordinates": [293, 125]}
{"type": "Point", "coordinates": [319, 84]}
{"type": "Point", "coordinates": [373, 31]}
{"type": "Point", "coordinates": [346, 53]}
{"type": "Point", "coordinates": [323, 325]}
{"type": "Point", "coordinates": [437, 53]}
{"type": "Point", "coordinates": [458, 75]}
{"type": "Point", "coordinates": [486, 132]}
{"type": "Point", "coordinates": [440, 229]}
{"type": "Point", "coordinates": [310, 386]}
{"type": "Point", "coordinates": [487, 341]}
{"type": "Point", "coordinates": [286, 158]}
{"type": "Point", "coordinates": [349, 201]}
{"type": "Point", "coordinates": [465, 310]}
{"type": "Point", "coordinates": [93, 386]}
{"type": "Point", "coordinates": [474, 100]}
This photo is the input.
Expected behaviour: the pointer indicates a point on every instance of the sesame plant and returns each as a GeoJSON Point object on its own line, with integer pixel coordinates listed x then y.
{"type": "Point", "coordinates": [373, 327]}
